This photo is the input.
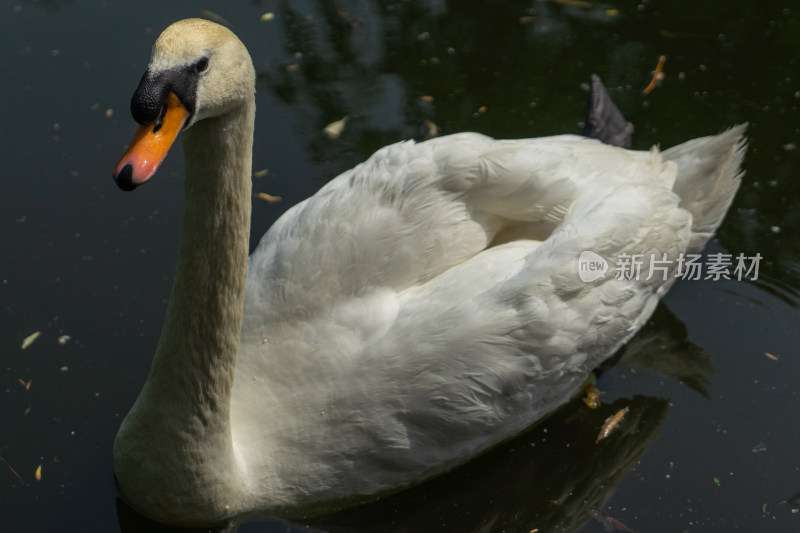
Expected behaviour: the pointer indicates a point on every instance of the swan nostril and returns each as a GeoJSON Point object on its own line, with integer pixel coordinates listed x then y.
{"type": "Point", "coordinates": [125, 178]}
{"type": "Point", "coordinates": [160, 120]}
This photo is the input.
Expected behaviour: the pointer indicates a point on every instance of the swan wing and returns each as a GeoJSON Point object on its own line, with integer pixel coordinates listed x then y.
{"type": "Point", "coordinates": [414, 210]}
{"type": "Point", "coordinates": [392, 317]}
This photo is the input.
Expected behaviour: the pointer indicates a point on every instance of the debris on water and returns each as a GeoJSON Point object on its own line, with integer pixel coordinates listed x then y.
{"type": "Point", "coordinates": [716, 481]}
{"type": "Point", "coordinates": [335, 129]}
{"type": "Point", "coordinates": [266, 17]}
{"type": "Point", "coordinates": [30, 338]}
{"type": "Point", "coordinates": [611, 423]}
{"type": "Point", "coordinates": [268, 197]}
{"type": "Point", "coordinates": [63, 339]}
{"type": "Point", "coordinates": [592, 398]}
{"type": "Point", "coordinates": [261, 173]}
{"type": "Point", "coordinates": [38, 473]}
{"type": "Point", "coordinates": [658, 75]}
{"type": "Point", "coordinates": [214, 17]}
{"type": "Point", "coordinates": [759, 447]}
{"type": "Point", "coordinates": [26, 384]}
{"type": "Point", "coordinates": [793, 504]}
{"type": "Point", "coordinates": [426, 98]}
{"type": "Point", "coordinates": [432, 129]}
{"type": "Point", "coordinates": [12, 470]}
{"type": "Point", "coordinates": [771, 356]}
{"type": "Point", "coordinates": [109, 113]}
{"type": "Point", "coordinates": [609, 522]}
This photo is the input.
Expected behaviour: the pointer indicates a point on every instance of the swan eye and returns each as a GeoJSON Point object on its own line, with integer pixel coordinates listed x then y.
{"type": "Point", "coordinates": [201, 65]}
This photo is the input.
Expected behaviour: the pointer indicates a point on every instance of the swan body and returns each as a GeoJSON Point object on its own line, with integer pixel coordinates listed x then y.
{"type": "Point", "coordinates": [417, 310]}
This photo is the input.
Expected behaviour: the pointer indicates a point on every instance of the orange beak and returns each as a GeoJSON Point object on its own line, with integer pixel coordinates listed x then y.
{"type": "Point", "coordinates": [150, 145]}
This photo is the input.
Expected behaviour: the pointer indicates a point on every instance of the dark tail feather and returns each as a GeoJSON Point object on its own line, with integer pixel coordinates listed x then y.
{"type": "Point", "coordinates": [604, 121]}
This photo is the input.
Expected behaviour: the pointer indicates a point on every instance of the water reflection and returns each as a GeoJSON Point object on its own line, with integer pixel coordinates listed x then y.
{"type": "Point", "coordinates": [551, 477]}
{"type": "Point", "coordinates": [393, 66]}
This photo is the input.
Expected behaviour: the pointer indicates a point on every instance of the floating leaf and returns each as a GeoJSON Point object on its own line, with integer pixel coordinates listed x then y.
{"type": "Point", "coordinates": [268, 197]}
{"type": "Point", "coordinates": [433, 129]}
{"type": "Point", "coordinates": [335, 129]}
{"type": "Point", "coordinates": [38, 474]}
{"type": "Point", "coordinates": [219, 19]}
{"type": "Point", "coordinates": [611, 423]}
{"type": "Point", "coordinates": [12, 470]}
{"type": "Point", "coordinates": [266, 17]}
{"type": "Point", "coordinates": [771, 356]}
{"type": "Point", "coordinates": [658, 75]}
{"type": "Point", "coordinates": [30, 338]}
{"type": "Point", "coordinates": [63, 339]}
{"type": "Point", "coordinates": [261, 173]}
{"type": "Point", "coordinates": [592, 398]}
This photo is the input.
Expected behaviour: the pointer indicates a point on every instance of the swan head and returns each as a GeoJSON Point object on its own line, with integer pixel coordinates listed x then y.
{"type": "Point", "coordinates": [198, 70]}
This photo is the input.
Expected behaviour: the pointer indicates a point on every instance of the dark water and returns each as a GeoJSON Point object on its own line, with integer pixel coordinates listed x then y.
{"type": "Point", "coordinates": [711, 442]}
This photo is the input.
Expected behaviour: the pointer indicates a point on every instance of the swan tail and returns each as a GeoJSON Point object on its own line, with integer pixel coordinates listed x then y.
{"type": "Point", "coordinates": [709, 174]}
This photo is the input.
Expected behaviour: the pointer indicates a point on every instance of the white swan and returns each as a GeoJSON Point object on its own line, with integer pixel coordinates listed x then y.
{"type": "Point", "coordinates": [417, 310]}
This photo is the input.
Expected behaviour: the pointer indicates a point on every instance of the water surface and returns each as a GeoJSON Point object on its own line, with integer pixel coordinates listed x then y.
{"type": "Point", "coordinates": [712, 441]}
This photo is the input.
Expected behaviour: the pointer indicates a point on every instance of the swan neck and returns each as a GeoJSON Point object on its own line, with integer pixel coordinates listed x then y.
{"type": "Point", "coordinates": [196, 355]}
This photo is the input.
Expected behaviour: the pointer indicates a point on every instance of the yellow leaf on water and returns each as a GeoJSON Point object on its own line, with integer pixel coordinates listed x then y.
{"type": "Point", "coordinates": [38, 473]}
{"type": "Point", "coordinates": [267, 17]}
{"type": "Point", "coordinates": [261, 173]}
{"type": "Point", "coordinates": [30, 338]}
{"type": "Point", "coordinates": [611, 423]}
{"type": "Point", "coordinates": [335, 129]}
{"type": "Point", "coordinates": [268, 197]}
